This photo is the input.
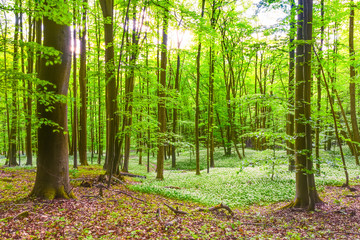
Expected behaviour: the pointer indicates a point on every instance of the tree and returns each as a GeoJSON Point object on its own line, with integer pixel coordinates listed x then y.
{"type": "Point", "coordinates": [107, 7]}
{"type": "Point", "coordinates": [83, 91]}
{"type": "Point", "coordinates": [197, 107]}
{"type": "Point", "coordinates": [13, 129]}
{"type": "Point", "coordinates": [52, 176]}
{"type": "Point", "coordinates": [290, 115]}
{"type": "Point", "coordinates": [306, 194]}
{"type": "Point", "coordinates": [161, 103]}
{"type": "Point", "coordinates": [355, 128]}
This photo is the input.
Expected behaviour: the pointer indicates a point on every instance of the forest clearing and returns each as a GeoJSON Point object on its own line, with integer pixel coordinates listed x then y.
{"type": "Point", "coordinates": [165, 119]}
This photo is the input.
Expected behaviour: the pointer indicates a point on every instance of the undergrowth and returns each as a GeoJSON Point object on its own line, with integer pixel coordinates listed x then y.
{"type": "Point", "coordinates": [262, 177]}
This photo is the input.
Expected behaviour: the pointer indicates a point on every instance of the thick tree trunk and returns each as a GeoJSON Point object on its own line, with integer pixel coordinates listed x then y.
{"type": "Point", "coordinates": [306, 194]}
{"type": "Point", "coordinates": [52, 176]}
{"type": "Point", "coordinates": [83, 93]}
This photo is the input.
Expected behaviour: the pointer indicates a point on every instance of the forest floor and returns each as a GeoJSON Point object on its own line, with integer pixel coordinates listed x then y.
{"type": "Point", "coordinates": [124, 214]}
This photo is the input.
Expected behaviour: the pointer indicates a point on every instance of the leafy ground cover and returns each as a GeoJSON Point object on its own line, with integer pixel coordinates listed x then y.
{"type": "Point", "coordinates": [261, 178]}
{"type": "Point", "coordinates": [123, 213]}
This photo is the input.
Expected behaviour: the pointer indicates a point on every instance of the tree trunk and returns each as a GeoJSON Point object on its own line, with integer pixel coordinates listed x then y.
{"type": "Point", "coordinates": [30, 70]}
{"type": "Point", "coordinates": [129, 89]}
{"type": "Point", "coordinates": [197, 105]}
{"type": "Point", "coordinates": [355, 128]}
{"type": "Point", "coordinates": [13, 132]}
{"type": "Point", "coordinates": [161, 104]}
{"type": "Point", "coordinates": [83, 92]}
{"type": "Point", "coordinates": [175, 113]}
{"type": "Point", "coordinates": [52, 176]}
{"type": "Point", "coordinates": [99, 115]}
{"type": "Point", "coordinates": [306, 194]}
{"type": "Point", "coordinates": [318, 102]}
{"type": "Point", "coordinates": [290, 115]}
{"type": "Point", "coordinates": [111, 94]}
{"type": "Point", "coordinates": [75, 111]}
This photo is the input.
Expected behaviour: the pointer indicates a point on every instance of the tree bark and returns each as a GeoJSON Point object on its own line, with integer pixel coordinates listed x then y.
{"type": "Point", "coordinates": [161, 103]}
{"type": "Point", "coordinates": [13, 130]}
{"type": "Point", "coordinates": [290, 115]}
{"type": "Point", "coordinates": [355, 128]}
{"type": "Point", "coordinates": [30, 70]}
{"type": "Point", "coordinates": [197, 105]}
{"type": "Point", "coordinates": [83, 92]}
{"type": "Point", "coordinates": [52, 176]}
{"type": "Point", "coordinates": [306, 194]}
{"type": "Point", "coordinates": [111, 94]}
{"type": "Point", "coordinates": [75, 110]}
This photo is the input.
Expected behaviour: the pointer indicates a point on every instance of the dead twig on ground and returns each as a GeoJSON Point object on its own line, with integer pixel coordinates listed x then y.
{"type": "Point", "coordinates": [129, 195]}
{"type": "Point", "coordinates": [176, 211]}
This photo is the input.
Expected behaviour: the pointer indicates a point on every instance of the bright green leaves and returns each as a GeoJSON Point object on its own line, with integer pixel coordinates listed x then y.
{"type": "Point", "coordinates": [56, 10]}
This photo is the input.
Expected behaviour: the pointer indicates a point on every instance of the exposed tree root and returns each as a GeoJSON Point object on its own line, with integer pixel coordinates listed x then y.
{"type": "Point", "coordinates": [50, 193]}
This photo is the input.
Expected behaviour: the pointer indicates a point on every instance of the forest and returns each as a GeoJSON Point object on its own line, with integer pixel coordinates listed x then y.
{"type": "Point", "coordinates": [179, 119]}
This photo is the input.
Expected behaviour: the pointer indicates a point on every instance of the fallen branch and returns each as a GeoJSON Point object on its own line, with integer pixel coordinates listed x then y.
{"type": "Point", "coordinates": [221, 205]}
{"type": "Point", "coordinates": [132, 175]}
{"type": "Point", "coordinates": [353, 196]}
{"type": "Point", "coordinates": [217, 207]}
{"type": "Point", "coordinates": [172, 187]}
{"type": "Point", "coordinates": [158, 215]}
{"type": "Point", "coordinates": [129, 195]}
{"type": "Point", "coordinates": [176, 211]}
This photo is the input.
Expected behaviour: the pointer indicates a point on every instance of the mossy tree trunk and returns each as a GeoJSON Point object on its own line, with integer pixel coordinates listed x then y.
{"type": "Point", "coordinates": [52, 177]}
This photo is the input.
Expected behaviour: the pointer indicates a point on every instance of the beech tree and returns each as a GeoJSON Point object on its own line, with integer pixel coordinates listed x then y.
{"type": "Point", "coordinates": [111, 165]}
{"type": "Point", "coordinates": [306, 194]}
{"type": "Point", "coordinates": [161, 103]}
{"type": "Point", "coordinates": [52, 176]}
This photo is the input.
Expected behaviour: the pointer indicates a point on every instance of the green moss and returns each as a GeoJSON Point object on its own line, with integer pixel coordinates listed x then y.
{"type": "Point", "coordinates": [49, 193]}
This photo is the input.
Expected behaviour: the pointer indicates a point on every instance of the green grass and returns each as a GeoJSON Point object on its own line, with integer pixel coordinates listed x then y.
{"type": "Point", "coordinates": [235, 182]}
{"type": "Point", "coordinates": [238, 183]}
